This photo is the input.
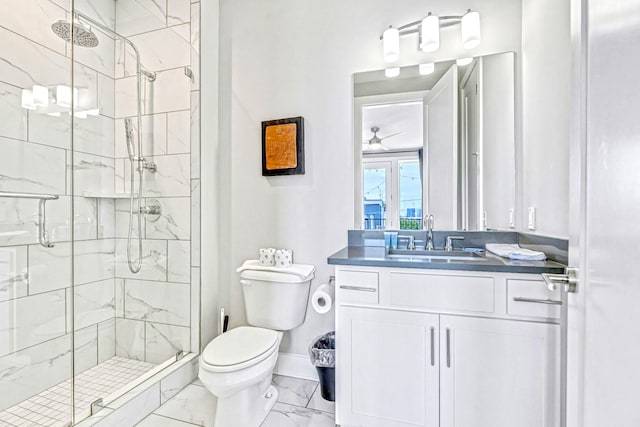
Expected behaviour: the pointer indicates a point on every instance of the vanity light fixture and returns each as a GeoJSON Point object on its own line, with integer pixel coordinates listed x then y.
{"type": "Point", "coordinates": [391, 44]}
{"type": "Point", "coordinates": [426, 69]}
{"type": "Point", "coordinates": [461, 62]}
{"type": "Point", "coordinates": [428, 30]}
{"type": "Point", "coordinates": [392, 72]}
{"type": "Point", "coordinates": [430, 33]}
{"type": "Point", "coordinates": [470, 29]}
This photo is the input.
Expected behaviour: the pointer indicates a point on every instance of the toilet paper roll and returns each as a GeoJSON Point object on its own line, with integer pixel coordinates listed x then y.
{"type": "Point", "coordinates": [284, 258]}
{"type": "Point", "coordinates": [267, 256]}
{"type": "Point", "coordinates": [322, 298]}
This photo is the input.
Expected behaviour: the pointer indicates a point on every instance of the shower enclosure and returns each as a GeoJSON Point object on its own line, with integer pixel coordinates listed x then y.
{"type": "Point", "coordinates": [99, 201]}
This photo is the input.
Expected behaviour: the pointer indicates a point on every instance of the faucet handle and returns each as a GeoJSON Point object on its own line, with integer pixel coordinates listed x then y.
{"type": "Point", "coordinates": [411, 245]}
{"type": "Point", "coordinates": [449, 242]}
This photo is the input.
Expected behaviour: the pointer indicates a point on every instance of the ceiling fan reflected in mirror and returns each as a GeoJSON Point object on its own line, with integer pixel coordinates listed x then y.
{"type": "Point", "coordinates": [375, 143]}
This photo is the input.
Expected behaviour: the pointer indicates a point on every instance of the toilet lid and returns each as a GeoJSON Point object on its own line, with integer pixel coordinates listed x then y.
{"type": "Point", "coordinates": [239, 345]}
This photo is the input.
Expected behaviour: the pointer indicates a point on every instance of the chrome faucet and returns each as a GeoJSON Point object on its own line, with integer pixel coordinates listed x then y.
{"type": "Point", "coordinates": [428, 224]}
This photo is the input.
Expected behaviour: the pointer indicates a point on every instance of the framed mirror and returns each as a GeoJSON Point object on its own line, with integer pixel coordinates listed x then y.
{"type": "Point", "coordinates": [436, 140]}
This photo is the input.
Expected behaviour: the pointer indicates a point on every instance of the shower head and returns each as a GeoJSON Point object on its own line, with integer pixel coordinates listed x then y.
{"type": "Point", "coordinates": [82, 36]}
{"type": "Point", "coordinates": [128, 129]}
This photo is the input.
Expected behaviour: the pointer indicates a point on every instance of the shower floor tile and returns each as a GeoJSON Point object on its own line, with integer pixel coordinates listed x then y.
{"type": "Point", "coordinates": [52, 407]}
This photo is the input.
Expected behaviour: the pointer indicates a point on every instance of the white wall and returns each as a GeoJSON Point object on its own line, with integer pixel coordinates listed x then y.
{"type": "Point", "coordinates": [285, 58]}
{"type": "Point", "coordinates": [212, 162]}
{"type": "Point", "coordinates": [546, 86]}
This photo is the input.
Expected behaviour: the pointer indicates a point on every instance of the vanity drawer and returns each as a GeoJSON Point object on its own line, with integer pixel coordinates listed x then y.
{"type": "Point", "coordinates": [357, 286]}
{"type": "Point", "coordinates": [532, 298]}
{"type": "Point", "coordinates": [448, 293]}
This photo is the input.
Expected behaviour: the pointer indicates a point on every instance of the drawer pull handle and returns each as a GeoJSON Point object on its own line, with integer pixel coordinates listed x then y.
{"type": "Point", "coordinates": [538, 301]}
{"type": "Point", "coordinates": [358, 288]}
{"type": "Point", "coordinates": [433, 346]}
{"type": "Point", "coordinates": [448, 347]}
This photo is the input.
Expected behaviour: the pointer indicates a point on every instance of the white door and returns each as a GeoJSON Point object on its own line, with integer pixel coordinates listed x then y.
{"type": "Point", "coordinates": [471, 186]}
{"type": "Point", "coordinates": [440, 193]}
{"type": "Point", "coordinates": [377, 191]}
{"type": "Point", "coordinates": [393, 360]}
{"type": "Point", "coordinates": [498, 373]}
{"type": "Point", "coordinates": [604, 317]}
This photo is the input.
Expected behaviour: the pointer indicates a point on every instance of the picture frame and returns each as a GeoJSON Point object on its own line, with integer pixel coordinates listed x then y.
{"type": "Point", "coordinates": [283, 147]}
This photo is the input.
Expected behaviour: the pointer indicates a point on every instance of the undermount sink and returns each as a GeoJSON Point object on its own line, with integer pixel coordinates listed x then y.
{"type": "Point", "coordinates": [437, 254]}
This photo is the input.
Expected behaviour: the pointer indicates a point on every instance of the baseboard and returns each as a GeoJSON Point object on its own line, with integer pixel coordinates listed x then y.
{"type": "Point", "coordinates": [295, 365]}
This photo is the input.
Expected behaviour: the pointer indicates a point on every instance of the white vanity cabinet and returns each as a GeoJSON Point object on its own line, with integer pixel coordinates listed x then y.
{"type": "Point", "coordinates": [445, 348]}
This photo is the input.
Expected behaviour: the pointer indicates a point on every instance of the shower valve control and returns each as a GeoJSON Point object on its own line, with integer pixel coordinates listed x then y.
{"type": "Point", "coordinates": [153, 210]}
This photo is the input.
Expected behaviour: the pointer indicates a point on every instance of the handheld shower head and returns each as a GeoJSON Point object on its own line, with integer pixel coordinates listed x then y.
{"type": "Point", "coordinates": [128, 128]}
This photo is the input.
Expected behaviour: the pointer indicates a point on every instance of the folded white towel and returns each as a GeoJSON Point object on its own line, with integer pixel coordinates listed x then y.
{"type": "Point", "coordinates": [303, 271]}
{"type": "Point", "coordinates": [513, 251]}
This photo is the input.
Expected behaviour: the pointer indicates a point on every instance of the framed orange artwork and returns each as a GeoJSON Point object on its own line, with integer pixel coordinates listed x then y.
{"type": "Point", "coordinates": [283, 147]}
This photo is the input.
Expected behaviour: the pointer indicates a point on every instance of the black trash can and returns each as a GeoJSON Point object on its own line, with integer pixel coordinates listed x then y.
{"type": "Point", "coordinates": [323, 356]}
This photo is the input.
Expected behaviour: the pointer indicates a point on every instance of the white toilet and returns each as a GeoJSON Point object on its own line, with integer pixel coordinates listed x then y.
{"type": "Point", "coordinates": [237, 366]}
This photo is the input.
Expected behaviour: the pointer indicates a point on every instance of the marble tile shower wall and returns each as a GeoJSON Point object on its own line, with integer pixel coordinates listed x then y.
{"type": "Point", "coordinates": [157, 310]}
{"type": "Point", "coordinates": [148, 316]}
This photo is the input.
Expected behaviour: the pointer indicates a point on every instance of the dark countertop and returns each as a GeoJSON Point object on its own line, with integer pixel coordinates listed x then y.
{"type": "Point", "coordinates": [372, 256]}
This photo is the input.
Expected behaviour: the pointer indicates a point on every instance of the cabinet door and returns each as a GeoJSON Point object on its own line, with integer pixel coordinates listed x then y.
{"type": "Point", "coordinates": [498, 373]}
{"type": "Point", "coordinates": [387, 368]}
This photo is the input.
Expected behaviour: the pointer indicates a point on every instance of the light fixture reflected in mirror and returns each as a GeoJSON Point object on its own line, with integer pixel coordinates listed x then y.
{"type": "Point", "coordinates": [428, 30]}
{"type": "Point", "coordinates": [27, 100]}
{"type": "Point", "coordinates": [40, 96]}
{"type": "Point", "coordinates": [461, 62]}
{"type": "Point", "coordinates": [58, 99]}
{"type": "Point", "coordinates": [426, 69]}
{"type": "Point", "coordinates": [392, 72]}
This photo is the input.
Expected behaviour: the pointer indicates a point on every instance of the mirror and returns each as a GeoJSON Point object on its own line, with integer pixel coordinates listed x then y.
{"type": "Point", "coordinates": [441, 143]}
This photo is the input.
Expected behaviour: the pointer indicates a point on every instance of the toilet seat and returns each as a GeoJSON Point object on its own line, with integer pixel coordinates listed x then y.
{"type": "Point", "coordinates": [239, 348]}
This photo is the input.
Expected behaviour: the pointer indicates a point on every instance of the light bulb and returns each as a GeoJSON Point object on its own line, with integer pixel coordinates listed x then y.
{"type": "Point", "coordinates": [40, 96]}
{"type": "Point", "coordinates": [425, 69]}
{"type": "Point", "coordinates": [392, 72]}
{"type": "Point", "coordinates": [430, 33]}
{"type": "Point", "coordinates": [470, 28]}
{"type": "Point", "coordinates": [391, 44]}
{"type": "Point", "coordinates": [461, 62]}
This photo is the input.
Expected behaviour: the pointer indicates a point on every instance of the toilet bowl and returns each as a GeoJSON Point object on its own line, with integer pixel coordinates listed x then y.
{"type": "Point", "coordinates": [237, 366]}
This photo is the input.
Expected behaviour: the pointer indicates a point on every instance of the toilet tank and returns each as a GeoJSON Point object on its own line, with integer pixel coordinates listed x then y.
{"type": "Point", "coordinates": [276, 298]}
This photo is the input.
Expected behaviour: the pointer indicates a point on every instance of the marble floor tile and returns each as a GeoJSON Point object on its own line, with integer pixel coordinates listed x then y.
{"type": "Point", "coordinates": [283, 415]}
{"type": "Point", "coordinates": [318, 403]}
{"type": "Point", "coordinates": [160, 421]}
{"type": "Point", "coordinates": [194, 405]}
{"type": "Point", "coordinates": [294, 391]}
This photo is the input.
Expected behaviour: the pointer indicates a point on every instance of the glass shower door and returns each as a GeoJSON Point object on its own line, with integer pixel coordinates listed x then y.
{"type": "Point", "coordinates": [35, 216]}
{"type": "Point", "coordinates": [134, 183]}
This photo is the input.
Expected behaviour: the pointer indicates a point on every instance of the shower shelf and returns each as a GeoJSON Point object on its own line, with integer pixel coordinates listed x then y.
{"type": "Point", "coordinates": [91, 195]}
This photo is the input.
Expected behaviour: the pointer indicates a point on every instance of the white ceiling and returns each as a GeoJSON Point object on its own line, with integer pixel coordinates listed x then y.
{"type": "Point", "coordinates": [403, 117]}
